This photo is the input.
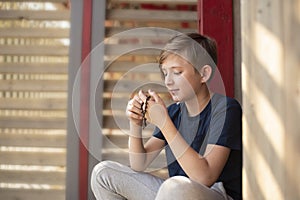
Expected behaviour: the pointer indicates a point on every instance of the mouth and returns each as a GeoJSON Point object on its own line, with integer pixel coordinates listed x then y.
{"type": "Point", "coordinates": [174, 94]}
{"type": "Point", "coordinates": [173, 91]}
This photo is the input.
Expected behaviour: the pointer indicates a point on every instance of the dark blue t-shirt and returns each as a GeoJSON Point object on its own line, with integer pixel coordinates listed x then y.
{"type": "Point", "coordinates": [219, 123]}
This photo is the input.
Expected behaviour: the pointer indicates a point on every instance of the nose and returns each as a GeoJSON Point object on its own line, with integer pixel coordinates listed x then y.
{"type": "Point", "coordinates": [169, 79]}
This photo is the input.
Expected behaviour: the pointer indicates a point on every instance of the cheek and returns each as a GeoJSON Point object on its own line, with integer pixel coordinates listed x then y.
{"type": "Point", "coordinates": [181, 82]}
{"type": "Point", "coordinates": [187, 86]}
{"type": "Point", "coordinates": [192, 86]}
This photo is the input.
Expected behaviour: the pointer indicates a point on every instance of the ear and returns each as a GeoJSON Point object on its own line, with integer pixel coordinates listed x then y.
{"type": "Point", "coordinates": [205, 72]}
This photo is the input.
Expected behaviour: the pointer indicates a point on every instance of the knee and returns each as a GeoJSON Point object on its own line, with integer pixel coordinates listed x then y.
{"type": "Point", "coordinates": [180, 187]}
{"type": "Point", "coordinates": [100, 170]}
{"type": "Point", "coordinates": [174, 183]}
{"type": "Point", "coordinates": [173, 187]}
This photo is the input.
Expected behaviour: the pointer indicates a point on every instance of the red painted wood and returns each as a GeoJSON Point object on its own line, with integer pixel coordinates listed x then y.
{"type": "Point", "coordinates": [84, 100]}
{"type": "Point", "coordinates": [215, 19]}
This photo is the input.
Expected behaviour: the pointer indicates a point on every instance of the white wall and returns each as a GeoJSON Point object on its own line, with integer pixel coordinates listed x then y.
{"type": "Point", "coordinates": [271, 98]}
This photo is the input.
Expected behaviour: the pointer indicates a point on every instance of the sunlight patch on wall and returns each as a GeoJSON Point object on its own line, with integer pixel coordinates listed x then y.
{"type": "Point", "coordinates": [271, 123]}
{"type": "Point", "coordinates": [296, 10]}
{"type": "Point", "coordinates": [31, 186]}
{"type": "Point", "coordinates": [246, 182]}
{"type": "Point", "coordinates": [260, 167]}
{"type": "Point", "coordinates": [32, 149]}
{"type": "Point", "coordinates": [37, 168]}
{"type": "Point", "coordinates": [269, 52]}
{"type": "Point", "coordinates": [265, 178]}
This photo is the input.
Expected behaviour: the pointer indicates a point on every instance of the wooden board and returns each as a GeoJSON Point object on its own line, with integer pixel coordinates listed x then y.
{"type": "Point", "coordinates": [41, 50]}
{"type": "Point", "coordinates": [32, 122]}
{"type": "Point", "coordinates": [35, 15]}
{"type": "Point", "coordinates": [131, 86]}
{"type": "Point", "coordinates": [33, 158]}
{"type": "Point", "coordinates": [33, 85]}
{"type": "Point", "coordinates": [32, 140]}
{"type": "Point", "coordinates": [34, 68]}
{"type": "Point", "coordinates": [32, 177]}
{"type": "Point", "coordinates": [33, 104]}
{"type": "Point", "coordinates": [30, 194]}
{"type": "Point", "coordinates": [34, 32]}
{"type": "Point", "coordinates": [151, 15]}
{"type": "Point", "coordinates": [33, 64]}
{"type": "Point", "coordinates": [185, 2]}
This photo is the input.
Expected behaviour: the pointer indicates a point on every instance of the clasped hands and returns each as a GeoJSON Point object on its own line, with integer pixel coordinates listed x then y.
{"type": "Point", "coordinates": [147, 107]}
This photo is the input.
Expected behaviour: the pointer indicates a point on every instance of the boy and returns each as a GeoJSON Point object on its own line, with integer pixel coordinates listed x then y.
{"type": "Point", "coordinates": [201, 134]}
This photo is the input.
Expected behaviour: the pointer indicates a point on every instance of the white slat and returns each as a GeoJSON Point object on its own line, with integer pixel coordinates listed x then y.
{"type": "Point", "coordinates": [34, 68]}
{"type": "Point", "coordinates": [32, 194]}
{"type": "Point", "coordinates": [32, 140]}
{"type": "Point", "coordinates": [33, 158]}
{"type": "Point", "coordinates": [151, 15]}
{"type": "Point", "coordinates": [126, 66]}
{"type": "Point", "coordinates": [35, 15]}
{"type": "Point", "coordinates": [132, 85]}
{"type": "Point", "coordinates": [32, 177]}
{"type": "Point", "coordinates": [34, 32]}
{"type": "Point", "coordinates": [34, 50]}
{"type": "Point", "coordinates": [53, 1]}
{"type": "Point", "coordinates": [32, 123]}
{"type": "Point", "coordinates": [185, 2]}
{"type": "Point", "coordinates": [111, 31]}
{"type": "Point", "coordinates": [33, 85]}
{"type": "Point", "coordinates": [33, 104]}
{"type": "Point", "coordinates": [31, 145]}
{"type": "Point", "coordinates": [132, 49]}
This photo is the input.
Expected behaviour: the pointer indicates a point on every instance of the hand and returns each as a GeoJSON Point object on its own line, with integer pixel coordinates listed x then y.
{"type": "Point", "coordinates": [134, 111]}
{"type": "Point", "coordinates": [156, 112]}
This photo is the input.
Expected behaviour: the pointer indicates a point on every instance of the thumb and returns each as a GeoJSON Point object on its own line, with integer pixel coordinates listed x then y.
{"type": "Point", "coordinates": [154, 95]}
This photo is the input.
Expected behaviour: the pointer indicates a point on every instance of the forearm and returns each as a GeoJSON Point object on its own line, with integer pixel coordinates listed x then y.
{"type": "Point", "coordinates": [137, 156]}
{"type": "Point", "coordinates": [194, 165]}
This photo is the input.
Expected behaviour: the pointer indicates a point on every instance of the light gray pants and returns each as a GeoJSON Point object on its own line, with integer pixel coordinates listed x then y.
{"type": "Point", "coordinates": [113, 181]}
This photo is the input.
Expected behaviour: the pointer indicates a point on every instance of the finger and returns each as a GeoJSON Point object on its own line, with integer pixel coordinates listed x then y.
{"type": "Point", "coordinates": [138, 99]}
{"type": "Point", "coordinates": [134, 115]}
{"type": "Point", "coordinates": [142, 96]}
{"type": "Point", "coordinates": [136, 102]}
{"type": "Point", "coordinates": [154, 95]}
{"type": "Point", "coordinates": [134, 107]}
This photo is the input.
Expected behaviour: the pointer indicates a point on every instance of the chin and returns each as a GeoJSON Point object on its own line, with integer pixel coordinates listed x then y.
{"type": "Point", "coordinates": [176, 99]}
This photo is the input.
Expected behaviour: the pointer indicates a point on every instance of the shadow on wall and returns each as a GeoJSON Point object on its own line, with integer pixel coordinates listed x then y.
{"type": "Point", "coordinates": [266, 101]}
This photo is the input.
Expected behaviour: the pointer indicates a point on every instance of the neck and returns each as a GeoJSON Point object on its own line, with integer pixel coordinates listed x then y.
{"type": "Point", "coordinates": [196, 105]}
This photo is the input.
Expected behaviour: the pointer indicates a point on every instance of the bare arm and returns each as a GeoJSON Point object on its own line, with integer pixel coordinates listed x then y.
{"type": "Point", "coordinates": [203, 169]}
{"type": "Point", "coordinates": [140, 155]}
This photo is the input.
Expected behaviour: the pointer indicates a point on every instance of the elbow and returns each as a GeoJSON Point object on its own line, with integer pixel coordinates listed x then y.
{"type": "Point", "coordinates": [205, 180]}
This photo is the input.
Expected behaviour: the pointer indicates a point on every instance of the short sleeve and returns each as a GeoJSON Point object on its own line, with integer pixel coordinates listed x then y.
{"type": "Point", "coordinates": [226, 124]}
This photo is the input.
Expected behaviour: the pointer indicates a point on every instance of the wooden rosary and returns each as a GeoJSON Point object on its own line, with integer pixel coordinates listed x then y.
{"type": "Point", "coordinates": [144, 110]}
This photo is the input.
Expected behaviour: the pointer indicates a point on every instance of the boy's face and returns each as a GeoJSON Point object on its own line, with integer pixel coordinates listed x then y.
{"type": "Point", "coordinates": [181, 79]}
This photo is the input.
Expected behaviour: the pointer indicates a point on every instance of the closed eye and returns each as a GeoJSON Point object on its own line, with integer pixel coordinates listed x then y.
{"type": "Point", "coordinates": [178, 73]}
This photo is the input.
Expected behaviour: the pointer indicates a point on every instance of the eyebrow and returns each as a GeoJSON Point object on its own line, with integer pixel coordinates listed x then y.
{"type": "Point", "coordinates": [173, 67]}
